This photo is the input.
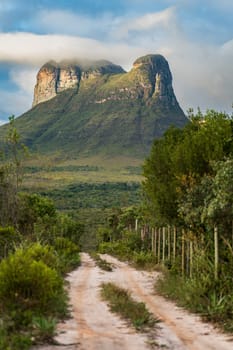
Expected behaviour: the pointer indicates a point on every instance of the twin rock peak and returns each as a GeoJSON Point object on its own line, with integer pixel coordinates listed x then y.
{"type": "Point", "coordinates": [150, 78]}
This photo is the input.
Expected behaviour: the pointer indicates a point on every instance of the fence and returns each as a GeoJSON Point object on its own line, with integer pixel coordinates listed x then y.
{"type": "Point", "coordinates": [172, 245]}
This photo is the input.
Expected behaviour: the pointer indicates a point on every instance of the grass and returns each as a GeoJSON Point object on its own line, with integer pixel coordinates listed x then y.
{"type": "Point", "coordinates": [202, 295]}
{"type": "Point", "coordinates": [121, 303]}
{"type": "Point", "coordinates": [102, 263]}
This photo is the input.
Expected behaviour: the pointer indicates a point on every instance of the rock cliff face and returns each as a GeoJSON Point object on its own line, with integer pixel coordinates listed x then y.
{"type": "Point", "coordinates": [159, 76]}
{"type": "Point", "coordinates": [54, 78]}
{"type": "Point", "coordinates": [150, 78]}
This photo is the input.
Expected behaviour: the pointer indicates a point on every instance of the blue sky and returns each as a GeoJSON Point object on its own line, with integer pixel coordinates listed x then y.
{"type": "Point", "coordinates": [195, 36]}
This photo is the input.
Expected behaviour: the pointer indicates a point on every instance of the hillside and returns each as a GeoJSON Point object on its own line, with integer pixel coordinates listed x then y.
{"type": "Point", "coordinates": [97, 108]}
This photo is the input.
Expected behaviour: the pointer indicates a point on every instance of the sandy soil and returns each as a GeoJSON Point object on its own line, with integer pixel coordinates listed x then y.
{"type": "Point", "coordinates": [93, 327]}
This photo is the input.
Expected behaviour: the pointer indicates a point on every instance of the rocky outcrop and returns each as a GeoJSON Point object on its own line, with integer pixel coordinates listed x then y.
{"type": "Point", "coordinates": [53, 78]}
{"type": "Point", "coordinates": [150, 79]}
{"type": "Point", "coordinates": [154, 71]}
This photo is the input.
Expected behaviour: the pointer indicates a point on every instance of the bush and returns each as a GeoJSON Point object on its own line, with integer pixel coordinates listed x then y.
{"type": "Point", "coordinates": [144, 260]}
{"type": "Point", "coordinates": [8, 238]}
{"type": "Point", "coordinates": [29, 284]}
{"type": "Point", "coordinates": [45, 253]}
{"type": "Point", "coordinates": [68, 253]}
{"type": "Point", "coordinates": [14, 341]}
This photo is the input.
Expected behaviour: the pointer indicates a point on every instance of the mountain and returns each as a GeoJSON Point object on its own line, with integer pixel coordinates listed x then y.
{"type": "Point", "coordinates": [96, 108]}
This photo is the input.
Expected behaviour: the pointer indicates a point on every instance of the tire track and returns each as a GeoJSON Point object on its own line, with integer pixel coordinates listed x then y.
{"type": "Point", "coordinates": [92, 325]}
{"type": "Point", "coordinates": [192, 333]}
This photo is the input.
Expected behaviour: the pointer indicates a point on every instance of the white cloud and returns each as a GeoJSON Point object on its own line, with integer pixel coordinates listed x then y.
{"type": "Point", "coordinates": [202, 71]}
{"type": "Point", "coordinates": [36, 49]}
{"type": "Point", "coordinates": [24, 78]}
{"type": "Point", "coordinates": [18, 101]}
{"type": "Point", "coordinates": [162, 19]}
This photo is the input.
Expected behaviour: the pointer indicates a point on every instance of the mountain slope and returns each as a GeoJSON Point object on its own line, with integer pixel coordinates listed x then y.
{"type": "Point", "coordinates": [97, 108]}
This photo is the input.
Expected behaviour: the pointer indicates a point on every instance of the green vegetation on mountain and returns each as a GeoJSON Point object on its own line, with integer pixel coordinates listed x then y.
{"type": "Point", "coordinates": [109, 113]}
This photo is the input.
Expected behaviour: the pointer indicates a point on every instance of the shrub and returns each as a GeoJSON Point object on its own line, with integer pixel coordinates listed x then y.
{"type": "Point", "coordinates": [45, 253]}
{"type": "Point", "coordinates": [29, 284]}
{"type": "Point", "coordinates": [44, 328]}
{"type": "Point", "coordinates": [68, 253]}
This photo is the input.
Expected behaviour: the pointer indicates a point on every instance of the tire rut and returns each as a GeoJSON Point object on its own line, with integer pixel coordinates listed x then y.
{"type": "Point", "coordinates": [189, 329]}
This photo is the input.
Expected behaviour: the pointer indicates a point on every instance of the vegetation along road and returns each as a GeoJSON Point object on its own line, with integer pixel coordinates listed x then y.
{"type": "Point", "coordinates": [93, 326]}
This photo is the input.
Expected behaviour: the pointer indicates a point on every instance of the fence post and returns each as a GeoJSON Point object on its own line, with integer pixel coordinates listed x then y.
{"type": "Point", "coordinates": [164, 242]}
{"type": "Point", "coordinates": [155, 241]}
{"type": "Point", "coordinates": [152, 240]}
{"type": "Point", "coordinates": [169, 243]}
{"type": "Point", "coordinates": [136, 225]}
{"type": "Point", "coordinates": [182, 253]}
{"type": "Point", "coordinates": [191, 259]}
{"type": "Point", "coordinates": [216, 256]}
{"type": "Point", "coordinates": [174, 244]}
{"type": "Point", "coordinates": [159, 241]}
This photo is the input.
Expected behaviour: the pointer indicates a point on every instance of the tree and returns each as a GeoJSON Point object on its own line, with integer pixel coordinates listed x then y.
{"type": "Point", "coordinates": [11, 175]}
{"type": "Point", "coordinates": [180, 160]}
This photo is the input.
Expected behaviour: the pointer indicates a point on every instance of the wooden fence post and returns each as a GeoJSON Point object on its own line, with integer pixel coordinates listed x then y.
{"type": "Point", "coordinates": [155, 241]}
{"type": "Point", "coordinates": [164, 242]}
{"type": "Point", "coordinates": [216, 253]}
{"type": "Point", "coordinates": [191, 259]}
{"type": "Point", "coordinates": [159, 242]}
{"type": "Point", "coordinates": [182, 253]}
{"type": "Point", "coordinates": [169, 243]}
{"type": "Point", "coordinates": [152, 240]}
{"type": "Point", "coordinates": [174, 244]}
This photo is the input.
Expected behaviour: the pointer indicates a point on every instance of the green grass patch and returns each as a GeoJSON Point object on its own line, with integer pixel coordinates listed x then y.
{"type": "Point", "coordinates": [121, 302]}
{"type": "Point", "coordinates": [201, 294]}
{"type": "Point", "coordinates": [102, 263]}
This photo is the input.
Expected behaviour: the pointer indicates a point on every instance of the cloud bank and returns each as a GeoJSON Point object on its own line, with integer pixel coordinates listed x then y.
{"type": "Point", "coordinates": [202, 70]}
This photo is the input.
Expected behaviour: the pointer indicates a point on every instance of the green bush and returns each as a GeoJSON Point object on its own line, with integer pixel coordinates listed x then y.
{"type": "Point", "coordinates": [9, 237]}
{"type": "Point", "coordinates": [45, 253]}
{"type": "Point", "coordinates": [144, 259]}
{"type": "Point", "coordinates": [44, 328]}
{"type": "Point", "coordinates": [27, 284]}
{"type": "Point", "coordinates": [14, 341]}
{"type": "Point", "coordinates": [68, 253]}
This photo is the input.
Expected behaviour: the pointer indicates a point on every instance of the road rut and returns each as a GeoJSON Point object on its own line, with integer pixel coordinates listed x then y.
{"type": "Point", "coordinates": [94, 327]}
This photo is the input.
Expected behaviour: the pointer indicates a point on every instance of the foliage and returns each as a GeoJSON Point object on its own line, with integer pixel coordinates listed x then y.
{"type": "Point", "coordinates": [99, 195]}
{"type": "Point", "coordinates": [181, 161]}
{"type": "Point", "coordinates": [11, 175]}
{"type": "Point", "coordinates": [14, 341]}
{"type": "Point", "coordinates": [9, 238]}
{"type": "Point", "coordinates": [102, 263]}
{"type": "Point", "coordinates": [35, 213]}
{"type": "Point", "coordinates": [190, 171]}
{"type": "Point", "coordinates": [121, 302]}
{"type": "Point", "coordinates": [219, 206]}
{"type": "Point", "coordinates": [68, 252]}
{"type": "Point", "coordinates": [27, 283]}
{"type": "Point", "coordinates": [44, 329]}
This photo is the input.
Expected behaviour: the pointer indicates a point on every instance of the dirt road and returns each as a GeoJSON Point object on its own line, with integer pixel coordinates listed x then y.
{"type": "Point", "coordinates": [93, 327]}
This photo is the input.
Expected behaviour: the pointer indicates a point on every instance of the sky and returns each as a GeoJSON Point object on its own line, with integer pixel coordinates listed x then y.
{"type": "Point", "coordinates": [195, 36]}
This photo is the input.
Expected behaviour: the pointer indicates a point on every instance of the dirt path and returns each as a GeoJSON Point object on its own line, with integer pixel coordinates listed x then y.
{"type": "Point", "coordinates": [93, 327]}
